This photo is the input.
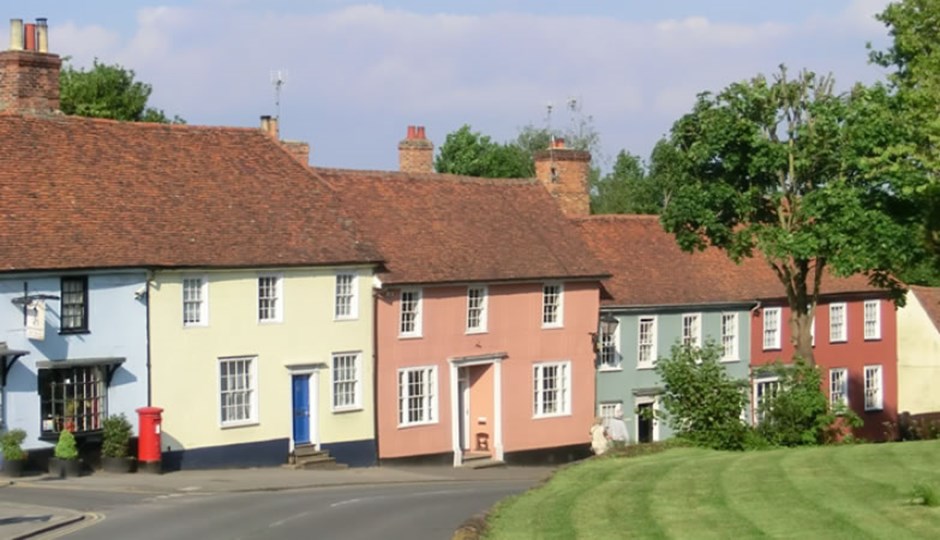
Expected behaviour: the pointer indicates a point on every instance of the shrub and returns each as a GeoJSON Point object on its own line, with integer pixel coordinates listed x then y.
{"type": "Point", "coordinates": [66, 448]}
{"type": "Point", "coordinates": [117, 436]}
{"type": "Point", "coordinates": [11, 445]}
{"type": "Point", "coordinates": [702, 402]}
{"type": "Point", "coordinates": [799, 413]}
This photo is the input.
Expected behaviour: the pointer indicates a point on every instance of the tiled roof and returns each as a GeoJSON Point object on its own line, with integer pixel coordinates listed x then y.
{"type": "Point", "coordinates": [436, 228]}
{"type": "Point", "coordinates": [930, 298]}
{"type": "Point", "coordinates": [649, 269]}
{"type": "Point", "coordinates": [86, 193]}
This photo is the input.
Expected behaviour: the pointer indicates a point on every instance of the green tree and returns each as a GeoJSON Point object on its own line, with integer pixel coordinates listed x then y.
{"type": "Point", "coordinates": [469, 153]}
{"type": "Point", "coordinates": [778, 166]}
{"type": "Point", "coordinates": [703, 403]}
{"type": "Point", "coordinates": [625, 190]}
{"type": "Point", "coordinates": [108, 91]}
{"type": "Point", "coordinates": [914, 56]}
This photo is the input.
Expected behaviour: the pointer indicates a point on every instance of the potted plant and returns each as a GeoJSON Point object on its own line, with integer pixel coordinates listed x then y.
{"type": "Point", "coordinates": [66, 462]}
{"type": "Point", "coordinates": [115, 443]}
{"type": "Point", "coordinates": [14, 457]}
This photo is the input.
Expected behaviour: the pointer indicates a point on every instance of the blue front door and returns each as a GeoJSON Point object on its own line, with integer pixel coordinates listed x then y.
{"type": "Point", "coordinates": [300, 390]}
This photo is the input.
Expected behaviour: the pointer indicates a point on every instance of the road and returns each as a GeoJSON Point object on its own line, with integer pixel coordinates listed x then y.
{"type": "Point", "coordinates": [409, 511]}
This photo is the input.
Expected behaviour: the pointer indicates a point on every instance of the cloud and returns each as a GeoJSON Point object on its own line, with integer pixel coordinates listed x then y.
{"type": "Point", "coordinates": [358, 74]}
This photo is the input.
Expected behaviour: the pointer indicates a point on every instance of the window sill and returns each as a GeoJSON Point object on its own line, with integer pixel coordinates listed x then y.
{"type": "Point", "coordinates": [605, 369]}
{"type": "Point", "coordinates": [271, 321]}
{"type": "Point", "coordinates": [646, 367]}
{"type": "Point", "coordinates": [345, 319]}
{"type": "Point", "coordinates": [410, 336]}
{"type": "Point", "coordinates": [729, 360]}
{"type": "Point", "coordinates": [873, 338]}
{"type": "Point", "coordinates": [236, 425]}
{"type": "Point", "coordinates": [837, 341]}
{"type": "Point", "coordinates": [874, 409]}
{"type": "Point", "coordinates": [470, 332]}
{"type": "Point", "coordinates": [416, 424]}
{"type": "Point", "coordinates": [341, 410]}
{"type": "Point", "coordinates": [77, 331]}
{"type": "Point", "coordinates": [195, 325]}
{"type": "Point", "coordinates": [777, 348]}
{"type": "Point", "coordinates": [552, 326]}
{"type": "Point", "coordinates": [549, 416]}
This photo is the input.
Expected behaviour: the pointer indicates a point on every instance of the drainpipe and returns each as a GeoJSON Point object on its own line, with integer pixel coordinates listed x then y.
{"type": "Point", "coordinates": [375, 371]}
{"type": "Point", "coordinates": [148, 277]}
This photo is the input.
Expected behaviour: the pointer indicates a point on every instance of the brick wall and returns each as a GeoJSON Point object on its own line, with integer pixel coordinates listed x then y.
{"type": "Point", "coordinates": [416, 152]}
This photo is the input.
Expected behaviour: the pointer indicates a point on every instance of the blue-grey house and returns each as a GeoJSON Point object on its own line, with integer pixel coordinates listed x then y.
{"type": "Point", "coordinates": [662, 296]}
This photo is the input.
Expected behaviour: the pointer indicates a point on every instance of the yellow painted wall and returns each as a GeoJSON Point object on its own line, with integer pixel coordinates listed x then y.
{"type": "Point", "coordinates": [185, 372]}
{"type": "Point", "coordinates": [918, 359]}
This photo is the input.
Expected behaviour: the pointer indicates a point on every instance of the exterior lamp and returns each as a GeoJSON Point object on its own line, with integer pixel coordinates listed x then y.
{"type": "Point", "coordinates": [606, 326]}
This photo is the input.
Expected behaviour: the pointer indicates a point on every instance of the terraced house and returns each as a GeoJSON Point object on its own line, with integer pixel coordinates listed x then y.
{"type": "Point", "coordinates": [484, 311]}
{"type": "Point", "coordinates": [203, 270]}
{"type": "Point", "coordinates": [661, 296]}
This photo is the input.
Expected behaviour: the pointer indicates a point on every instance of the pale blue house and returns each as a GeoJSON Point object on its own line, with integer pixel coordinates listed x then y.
{"type": "Point", "coordinates": [74, 351]}
{"type": "Point", "coordinates": [661, 296]}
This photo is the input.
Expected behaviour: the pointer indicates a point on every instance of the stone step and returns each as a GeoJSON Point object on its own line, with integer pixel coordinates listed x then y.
{"type": "Point", "coordinates": [308, 450]}
{"type": "Point", "coordinates": [483, 463]}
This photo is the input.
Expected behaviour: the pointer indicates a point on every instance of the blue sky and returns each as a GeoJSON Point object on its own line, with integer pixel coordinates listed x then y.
{"type": "Point", "coordinates": [359, 73]}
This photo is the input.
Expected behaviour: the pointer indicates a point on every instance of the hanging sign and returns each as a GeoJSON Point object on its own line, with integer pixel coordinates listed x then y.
{"type": "Point", "coordinates": [36, 320]}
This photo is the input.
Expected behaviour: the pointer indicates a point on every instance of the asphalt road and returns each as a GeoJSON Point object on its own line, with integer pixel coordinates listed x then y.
{"type": "Point", "coordinates": [391, 511]}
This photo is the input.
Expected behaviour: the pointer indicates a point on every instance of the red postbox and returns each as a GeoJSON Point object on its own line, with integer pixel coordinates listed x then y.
{"type": "Point", "coordinates": [148, 442]}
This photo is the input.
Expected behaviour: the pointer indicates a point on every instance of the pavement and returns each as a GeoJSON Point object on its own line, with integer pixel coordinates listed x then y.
{"type": "Point", "coordinates": [20, 521]}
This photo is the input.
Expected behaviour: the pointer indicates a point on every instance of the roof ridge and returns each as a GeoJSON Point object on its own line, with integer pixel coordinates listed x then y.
{"type": "Point", "coordinates": [428, 176]}
{"type": "Point", "coordinates": [60, 117]}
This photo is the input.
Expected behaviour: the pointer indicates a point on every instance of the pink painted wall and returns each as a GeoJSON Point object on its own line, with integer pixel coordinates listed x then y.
{"type": "Point", "coordinates": [514, 313]}
{"type": "Point", "coordinates": [853, 354]}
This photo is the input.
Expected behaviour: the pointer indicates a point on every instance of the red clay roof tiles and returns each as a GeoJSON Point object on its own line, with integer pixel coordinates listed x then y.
{"type": "Point", "coordinates": [435, 228]}
{"type": "Point", "coordinates": [649, 268]}
{"type": "Point", "coordinates": [929, 297]}
{"type": "Point", "coordinates": [82, 193]}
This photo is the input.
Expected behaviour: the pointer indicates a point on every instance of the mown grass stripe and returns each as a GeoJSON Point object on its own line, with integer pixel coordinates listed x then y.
{"type": "Point", "coordinates": [688, 501]}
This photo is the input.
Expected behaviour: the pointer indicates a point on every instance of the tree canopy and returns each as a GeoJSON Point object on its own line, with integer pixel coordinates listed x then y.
{"type": "Point", "coordinates": [779, 166]}
{"type": "Point", "coordinates": [108, 91]}
{"type": "Point", "coordinates": [469, 153]}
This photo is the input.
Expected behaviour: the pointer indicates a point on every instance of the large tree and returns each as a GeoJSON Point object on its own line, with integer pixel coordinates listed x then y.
{"type": "Point", "coordinates": [914, 57]}
{"type": "Point", "coordinates": [108, 91]}
{"type": "Point", "coordinates": [777, 168]}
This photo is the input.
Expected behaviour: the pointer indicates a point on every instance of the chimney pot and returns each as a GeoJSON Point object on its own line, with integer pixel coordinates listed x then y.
{"type": "Point", "coordinates": [16, 34]}
{"type": "Point", "coordinates": [558, 142]}
{"type": "Point", "coordinates": [42, 34]}
{"type": "Point", "coordinates": [30, 31]}
{"type": "Point", "coordinates": [411, 132]}
{"type": "Point", "coordinates": [415, 152]}
{"type": "Point", "coordinates": [420, 134]}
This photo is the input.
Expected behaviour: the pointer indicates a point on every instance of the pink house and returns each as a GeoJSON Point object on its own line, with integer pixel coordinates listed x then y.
{"type": "Point", "coordinates": [485, 312]}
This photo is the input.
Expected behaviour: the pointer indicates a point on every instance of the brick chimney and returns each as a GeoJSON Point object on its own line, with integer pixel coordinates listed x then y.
{"type": "Point", "coordinates": [564, 172]}
{"type": "Point", "coordinates": [416, 152]}
{"type": "Point", "coordinates": [29, 74]}
{"type": "Point", "coordinates": [299, 149]}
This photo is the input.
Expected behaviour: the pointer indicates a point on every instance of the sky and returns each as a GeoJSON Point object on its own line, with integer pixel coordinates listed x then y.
{"type": "Point", "coordinates": [356, 74]}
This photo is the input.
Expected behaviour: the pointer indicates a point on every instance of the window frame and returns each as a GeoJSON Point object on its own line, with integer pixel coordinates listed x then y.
{"type": "Point", "coordinates": [278, 315]}
{"type": "Point", "coordinates": [692, 335]}
{"type": "Point", "coordinates": [416, 331]}
{"type": "Point", "coordinates": [563, 392]}
{"type": "Point", "coordinates": [203, 300]}
{"type": "Point", "coordinates": [876, 320]}
{"type": "Point", "coordinates": [77, 391]}
{"type": "Point", "coordinates": [839, 375]}
{"type": "Point", "coordinates": [650, 362]}
{"type": "Point", "coordinates": [609, 355]}
{"type": "Point", "coordinates": [558, 321]}
{"type": "Point", "coordinates": [252, 388]}
{"type": "Point", "coordinates": [835, 335]}
{"type": "Point", "coordinates": [84, 327]}
{"type": "Point", "coordinates": [607, 409]}
{"type": "Point", "coordinates": [735, 340]}
{"type": "Point", "coordinates": [429, 408]}
{"type": "Point", "coordinates": [874, 373]}
{"type": "Point", "coordinates": [773, 383]}
{"type": "Point", "coordinates": [356, 381]}
{"type": "Point", "coordinates": [482, 308]}
{"type": "Point", "coordinates": [775, 333]}
{"type": "Point", "coordinates": [348, 300]}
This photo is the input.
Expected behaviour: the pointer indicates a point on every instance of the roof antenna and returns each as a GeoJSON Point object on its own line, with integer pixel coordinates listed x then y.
{"type": "Point", "coordinates": [278, 79]}
{"type": "Point", "coordinates": [553, 170]}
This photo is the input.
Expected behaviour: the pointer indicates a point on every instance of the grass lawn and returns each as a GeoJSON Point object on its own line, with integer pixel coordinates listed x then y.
{"type": "Point", "coordinates": [853, 491]}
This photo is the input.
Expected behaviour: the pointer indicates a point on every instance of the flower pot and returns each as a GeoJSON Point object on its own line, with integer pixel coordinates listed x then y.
{"type": "Point", "coordinates": [14, 467]}
{"type": "Point", "coordinates": [118, 464]}
{"type": "Point", "coordinates": [65, 468]}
